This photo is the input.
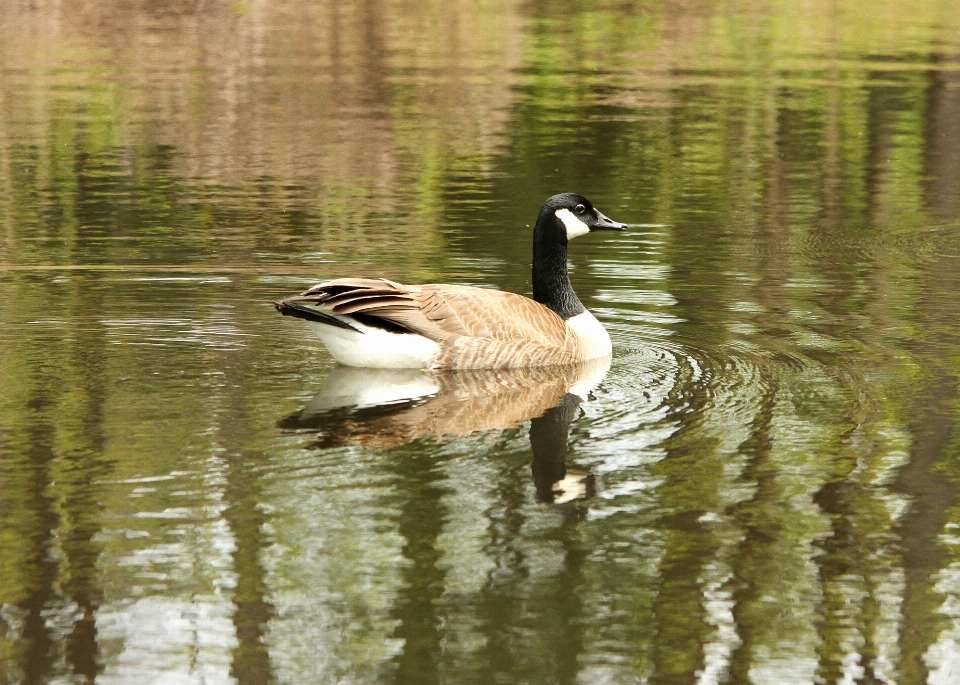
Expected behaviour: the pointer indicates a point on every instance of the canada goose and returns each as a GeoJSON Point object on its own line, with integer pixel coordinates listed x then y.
{"type": "Point", "coordinates": [382, 324]}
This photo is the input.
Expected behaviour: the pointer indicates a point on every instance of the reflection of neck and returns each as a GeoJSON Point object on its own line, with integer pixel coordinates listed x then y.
{"type": "Point", "coordinates": [551, 284]}
{"type": "Point", "coordinates": [548, 438]}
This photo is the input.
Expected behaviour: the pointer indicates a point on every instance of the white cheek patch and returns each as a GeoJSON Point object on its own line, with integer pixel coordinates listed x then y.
{"type": "Point", "coordinates": [573, 225]}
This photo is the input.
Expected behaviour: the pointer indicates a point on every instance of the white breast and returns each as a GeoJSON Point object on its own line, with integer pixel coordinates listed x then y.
{"type": "Point", "coordinates": [593, 336]}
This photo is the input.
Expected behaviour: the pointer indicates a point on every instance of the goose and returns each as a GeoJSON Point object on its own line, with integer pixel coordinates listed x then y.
{"type": "Point", "coordinates": [378, 323]}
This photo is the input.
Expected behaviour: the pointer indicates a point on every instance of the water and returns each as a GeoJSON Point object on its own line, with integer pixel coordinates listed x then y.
{"type": "Point", "coordinates": [763, 488]}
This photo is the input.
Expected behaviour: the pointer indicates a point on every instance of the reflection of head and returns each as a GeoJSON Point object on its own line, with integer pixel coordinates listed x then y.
{"type": "Point", "coordinates": [548, 438]}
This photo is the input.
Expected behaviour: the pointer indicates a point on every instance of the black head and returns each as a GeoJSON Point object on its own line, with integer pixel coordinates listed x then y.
{"type": "Point", "coordinates": [570, 215]}
{"type": "Point", "coordinates": [561, 218]}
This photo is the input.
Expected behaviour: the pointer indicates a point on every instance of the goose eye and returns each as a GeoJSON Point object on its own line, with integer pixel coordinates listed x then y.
{"type": "Point", "coordinates": [580, 209]}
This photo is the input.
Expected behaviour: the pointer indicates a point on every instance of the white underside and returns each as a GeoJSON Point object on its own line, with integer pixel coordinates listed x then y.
{"type": "Point", "coordinates": [593, 336]}
{"type": "Point", "coordinates": [375, 347]}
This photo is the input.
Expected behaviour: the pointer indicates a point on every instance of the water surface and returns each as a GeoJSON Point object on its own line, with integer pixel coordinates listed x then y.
{"type": "Point", "coordinates": [763, 488]}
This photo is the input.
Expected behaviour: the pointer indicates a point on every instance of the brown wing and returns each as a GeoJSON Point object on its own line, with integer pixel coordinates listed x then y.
{"type": "Point", "coordinates": [381, 299]}
{"type": "Point", "coordinates": [485, 313]}
{"type": "Point", "coordinates": [476, 327]}
{"type": "Point", "coordinates": [502, 330]}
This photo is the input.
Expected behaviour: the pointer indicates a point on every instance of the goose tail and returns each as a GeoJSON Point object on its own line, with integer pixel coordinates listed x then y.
{"type": "Point", "coordinates": [299, 311]}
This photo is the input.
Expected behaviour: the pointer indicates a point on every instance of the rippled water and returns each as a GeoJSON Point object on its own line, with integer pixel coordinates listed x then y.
{"type": "Point", "coordinates": [762, 488]}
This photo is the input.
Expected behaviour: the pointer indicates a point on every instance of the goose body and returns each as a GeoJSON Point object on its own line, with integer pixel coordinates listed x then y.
{"type": "Point", "coordinates": [382, 324]}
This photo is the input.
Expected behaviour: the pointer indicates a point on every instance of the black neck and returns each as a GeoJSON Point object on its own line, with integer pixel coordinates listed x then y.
{"type": "Point", "coordinates": [551, 284]}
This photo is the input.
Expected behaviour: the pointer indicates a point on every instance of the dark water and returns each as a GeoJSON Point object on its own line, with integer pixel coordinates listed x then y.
{"type": "Point", "coordinates": [765, 487]}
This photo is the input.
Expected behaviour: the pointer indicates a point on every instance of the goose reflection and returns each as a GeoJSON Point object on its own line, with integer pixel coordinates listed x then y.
{"type": "Point", "coordinates": [385, 408]}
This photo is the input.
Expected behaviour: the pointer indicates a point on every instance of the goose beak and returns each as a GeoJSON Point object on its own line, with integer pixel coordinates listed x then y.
{"type": "Point", "coordinates": [604, 223]}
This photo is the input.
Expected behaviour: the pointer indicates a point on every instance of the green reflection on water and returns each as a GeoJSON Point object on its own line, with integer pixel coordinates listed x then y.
{"type": "Point", "coordinates": [769, 470]}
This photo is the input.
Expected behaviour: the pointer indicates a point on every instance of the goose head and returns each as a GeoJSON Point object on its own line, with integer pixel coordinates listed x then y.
{"type": "Point", "coordinates": [568, 215]}
{"type": "Point", "coordinates": [562, 218]}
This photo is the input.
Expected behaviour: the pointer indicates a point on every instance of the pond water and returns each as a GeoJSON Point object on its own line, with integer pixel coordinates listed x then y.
{"type": "Point", "coordinates": [764, 487]}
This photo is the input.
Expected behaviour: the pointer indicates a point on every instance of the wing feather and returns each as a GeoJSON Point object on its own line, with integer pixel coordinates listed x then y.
{"type": "Point", "coordinates": [374, 306]}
